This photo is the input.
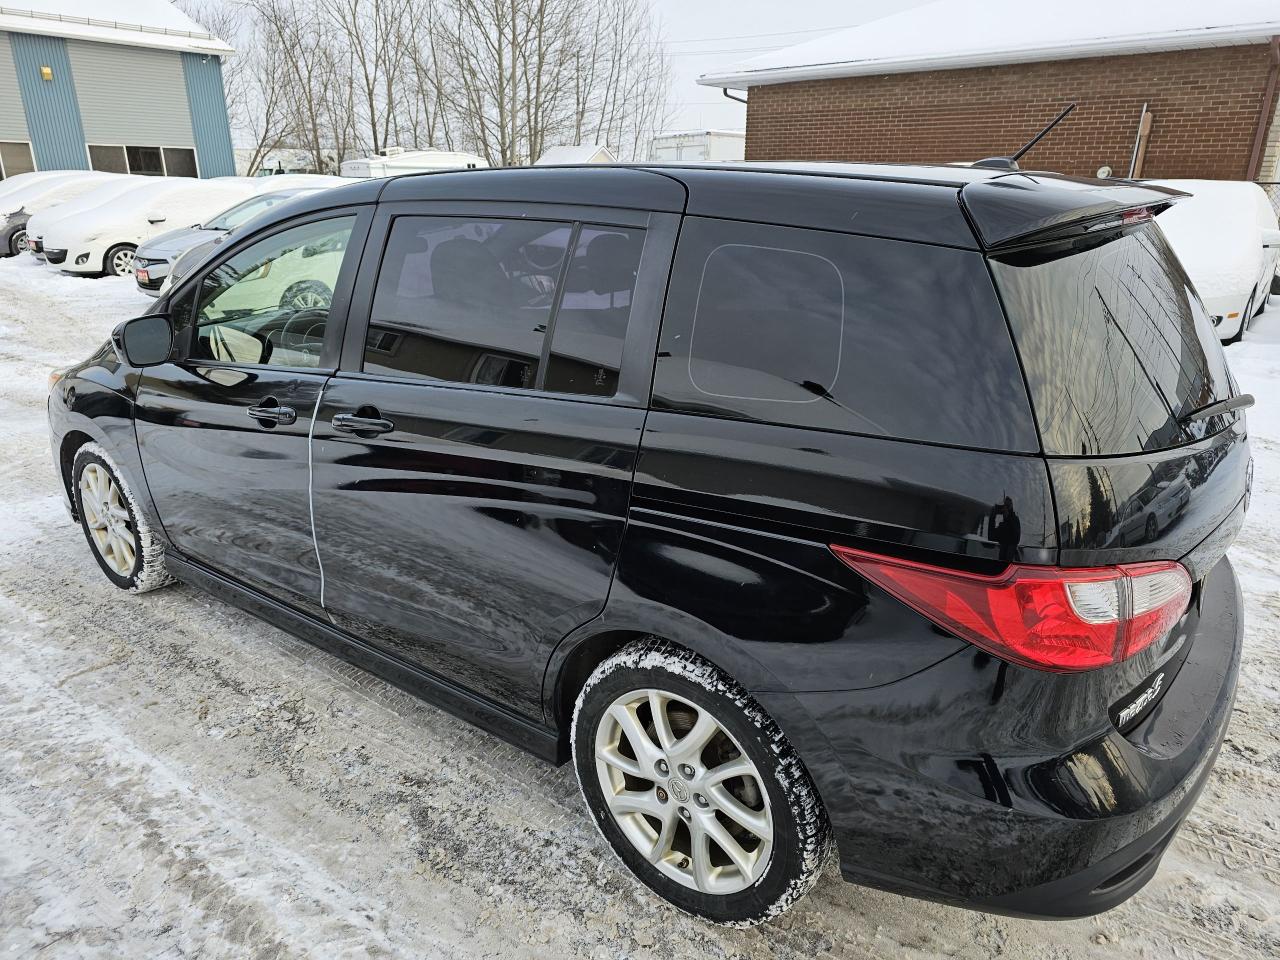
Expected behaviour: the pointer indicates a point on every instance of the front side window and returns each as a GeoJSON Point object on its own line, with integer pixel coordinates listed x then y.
{"type": "Point", "coordinates": [269, 303]}
{"type": "Point", "coordinates": [836, 332]}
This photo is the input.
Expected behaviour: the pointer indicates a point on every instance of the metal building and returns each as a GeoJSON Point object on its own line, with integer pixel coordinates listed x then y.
{"type": "Point", "coordinates": [130, 87]}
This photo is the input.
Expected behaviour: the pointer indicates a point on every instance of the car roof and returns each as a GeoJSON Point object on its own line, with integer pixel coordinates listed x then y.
{"type": "Point", "coordinates": [971, 207]}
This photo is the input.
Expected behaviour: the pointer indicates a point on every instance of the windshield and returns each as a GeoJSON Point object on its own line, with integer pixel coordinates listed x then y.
{"type": "Point", "coordinates": [1115, 343]}
{"type": "Point", "coordinates": [242, 212]}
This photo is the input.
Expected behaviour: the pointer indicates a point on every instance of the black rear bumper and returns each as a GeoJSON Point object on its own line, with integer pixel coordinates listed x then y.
{"type": "Point", "coordinates": [961, 784]}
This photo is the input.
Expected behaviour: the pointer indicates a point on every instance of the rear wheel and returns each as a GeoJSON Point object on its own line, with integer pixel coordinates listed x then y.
{"type": "Point", "coordinates": [121, 539]}
{"type": "Point", "coordinates": [119, 261]}
{"type": "Point", "coordinates": [694, 786]}
{"type": "Point", "coordinates": [306, 295]}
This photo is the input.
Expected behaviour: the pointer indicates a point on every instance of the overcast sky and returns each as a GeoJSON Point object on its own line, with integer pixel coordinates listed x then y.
{"type": "Point", "coordinates": [704, 35]}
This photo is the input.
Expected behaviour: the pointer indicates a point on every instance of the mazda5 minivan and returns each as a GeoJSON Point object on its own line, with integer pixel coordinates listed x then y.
{"type": "Point", "coordinates": [799, 507]}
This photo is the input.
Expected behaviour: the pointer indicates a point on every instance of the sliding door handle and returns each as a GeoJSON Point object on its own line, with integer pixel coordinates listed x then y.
{"type": "Point", "coordinates": [361, 426]}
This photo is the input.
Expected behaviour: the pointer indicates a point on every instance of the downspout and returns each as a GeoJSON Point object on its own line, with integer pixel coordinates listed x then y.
{"type": "Point", "coordinates": [1268, 110]}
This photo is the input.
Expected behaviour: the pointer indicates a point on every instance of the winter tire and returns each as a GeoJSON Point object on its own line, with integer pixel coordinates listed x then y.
{"type": "Point", "coordinates": [695, 787]}
{"type": "Point", "coordinates": [119, 261]}
{"type": "Point", "coordinates": [122, 541]}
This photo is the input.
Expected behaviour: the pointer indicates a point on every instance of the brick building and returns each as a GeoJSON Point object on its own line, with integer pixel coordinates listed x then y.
{"type": "Point", "coordinates": [958, 80]}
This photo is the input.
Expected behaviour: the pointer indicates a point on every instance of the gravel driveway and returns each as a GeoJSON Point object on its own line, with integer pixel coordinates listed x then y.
{"type": "Point", "coordinates": [178, 779]}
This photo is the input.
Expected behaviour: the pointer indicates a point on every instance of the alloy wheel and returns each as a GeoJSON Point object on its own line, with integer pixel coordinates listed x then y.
{"type": "Point", "coordinates": [122, 263]}
{"type": "Point", "coordinates": [683, 791]}
{"type": "Point", "coordinates": [21, 243]}
{"type": "Point", "coordinates": [107, 518]}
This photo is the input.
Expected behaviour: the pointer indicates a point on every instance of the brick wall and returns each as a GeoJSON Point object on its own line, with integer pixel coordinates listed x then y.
{"type": "Point", "coordinates": [1206, 105]}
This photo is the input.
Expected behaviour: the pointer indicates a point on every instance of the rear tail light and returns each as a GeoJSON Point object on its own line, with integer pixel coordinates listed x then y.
{"type": "Point", "coordinates": [1050, 618]}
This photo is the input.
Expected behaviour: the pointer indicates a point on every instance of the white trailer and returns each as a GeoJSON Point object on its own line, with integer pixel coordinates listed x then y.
{"type": "Point", "coordinates": [698, 145]}
{"type": "Point", "coordinates": [396, 160]}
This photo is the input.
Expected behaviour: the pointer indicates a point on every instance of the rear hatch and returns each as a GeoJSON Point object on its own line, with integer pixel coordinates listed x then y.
{"type": "Point", "coordinates": [1119, 356]}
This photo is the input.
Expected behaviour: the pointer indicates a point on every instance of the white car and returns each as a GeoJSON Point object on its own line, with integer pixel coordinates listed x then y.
{"type": "Point", "coordinates": [17, 208]}
{"type": "Point", "coordinates": [101, 193]}
{"type": "Point", "coordinates": [103, 240]}
{"type": "Point", "coordinates": [1225, 235]}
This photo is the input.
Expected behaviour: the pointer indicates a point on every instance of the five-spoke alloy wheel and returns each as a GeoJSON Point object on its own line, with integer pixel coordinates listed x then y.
{"type": "Point", "coordinates": [694, 786]}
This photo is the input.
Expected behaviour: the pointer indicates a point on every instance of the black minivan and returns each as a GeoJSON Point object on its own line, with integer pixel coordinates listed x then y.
{"type": "Point", "coordinates": [875, 507]}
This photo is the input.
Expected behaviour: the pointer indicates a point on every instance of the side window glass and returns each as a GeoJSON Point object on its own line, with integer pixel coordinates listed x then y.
{"type": "Point", "coordinates": [465, 300]}
{"type": "Point", "coordinates": [269, 303]}
{"type": "Point", "coordinates": [591, 324]}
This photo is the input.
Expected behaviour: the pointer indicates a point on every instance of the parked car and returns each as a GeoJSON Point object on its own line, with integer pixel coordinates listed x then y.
{"type": "Point", "coordinates": [154, 258]}
{"type": "Point", "coordinates": [103, 192]}
{"type": "Point", "coordinates": [1225, 235]}
{"type": "Point", "coordinates": [17, 208]}
{"type": "Point", "coordinates": [397, 160]}
{"type": "Point", "coordinates": [104, 239]}
{"type": "Point", "coordinates": [799, 529]}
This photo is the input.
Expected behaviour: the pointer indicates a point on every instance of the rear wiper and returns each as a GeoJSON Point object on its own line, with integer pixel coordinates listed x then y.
{"type": "Point", "coordinates": [1222, 406]}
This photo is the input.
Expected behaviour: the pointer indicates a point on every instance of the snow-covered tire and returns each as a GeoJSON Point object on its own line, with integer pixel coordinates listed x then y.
{"type": "Point", "coordinates": [147, 570]}
{"type": "Point", "coordinates": [800, 842]}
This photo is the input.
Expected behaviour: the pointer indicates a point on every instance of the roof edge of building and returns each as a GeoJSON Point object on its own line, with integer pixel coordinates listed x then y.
{"type": "Point", "coordinates": [1238, 35]}
{"type": "Point", "coordinates": [14, 20]}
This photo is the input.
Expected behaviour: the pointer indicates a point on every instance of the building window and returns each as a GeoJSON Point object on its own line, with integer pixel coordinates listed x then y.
{"type": "Point", "coordinates": [108, 159]}
{"type": "Point", "coordinates": [15, 158]}
{"type": "Point", "coordinates": [143, 161]}
{"type": "Point", "coordinates": [179, 162]}
{"type": "Point", "coordinates": [147, 161]}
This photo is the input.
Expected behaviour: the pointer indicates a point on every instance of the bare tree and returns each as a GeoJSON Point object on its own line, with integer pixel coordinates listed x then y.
{"type": "Point", "coordinates": [504, 78]}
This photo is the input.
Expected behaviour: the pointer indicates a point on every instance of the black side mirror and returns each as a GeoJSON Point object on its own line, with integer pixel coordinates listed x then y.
{"type": "Point", "coordinates": [145, 341]}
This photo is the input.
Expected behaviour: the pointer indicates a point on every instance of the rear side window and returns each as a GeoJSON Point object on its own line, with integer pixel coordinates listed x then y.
{"type": "Point", "coordinates": [1115, 342]}
{"type": "Point", "coordinates": [474, 301]}
{"type": "Point", "coordinates": [837, 332]}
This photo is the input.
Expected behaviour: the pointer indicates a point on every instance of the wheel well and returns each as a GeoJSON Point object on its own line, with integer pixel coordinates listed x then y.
{"type": "Point", "coordinates": [73, 441]}
{"type": "Point", "coordinates": [584, 658]}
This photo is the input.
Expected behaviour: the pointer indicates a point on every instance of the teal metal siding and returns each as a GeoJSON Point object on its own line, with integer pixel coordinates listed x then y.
{"type": "Point", "coordinates": [53, 114]}
{"type": "Point", "coordinates": [208, 102]}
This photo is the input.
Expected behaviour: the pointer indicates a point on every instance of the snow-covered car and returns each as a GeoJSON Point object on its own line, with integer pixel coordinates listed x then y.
{"type": "Point", "coordinates": [18, 206]}
{"type": "Point", "coordinates": [103, 240]}
{"type": "Point", "coordinates": [1224, 234]}
{"type": "Point", "coordinates": [153, 260]}
{"type": "Point", "coordinates": [103, 192]}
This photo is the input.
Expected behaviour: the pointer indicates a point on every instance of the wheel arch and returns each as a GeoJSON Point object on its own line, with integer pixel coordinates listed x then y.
{"type": "Point", "coordinates": [72, 441]}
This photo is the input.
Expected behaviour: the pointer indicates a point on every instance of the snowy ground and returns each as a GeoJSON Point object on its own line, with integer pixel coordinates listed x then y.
{"type": "Point", "coordinates": [178, 779]}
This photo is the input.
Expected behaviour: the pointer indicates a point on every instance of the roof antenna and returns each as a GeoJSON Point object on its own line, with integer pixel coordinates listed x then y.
{"type": "Point", "coordinates": [1011, 163]}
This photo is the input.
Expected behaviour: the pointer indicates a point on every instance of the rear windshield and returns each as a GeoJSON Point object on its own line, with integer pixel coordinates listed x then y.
{"type": "Point", "coordinates": [1115, 344]}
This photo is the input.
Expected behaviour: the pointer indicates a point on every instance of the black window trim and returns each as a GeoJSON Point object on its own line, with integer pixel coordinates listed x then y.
{"type": "Point", "coordinates": [339, 308]}
{"type": "Point", "coordinates": [635, 376]}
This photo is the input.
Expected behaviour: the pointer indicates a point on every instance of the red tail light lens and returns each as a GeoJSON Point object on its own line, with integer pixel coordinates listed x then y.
{"type": "Point", "coordinates": [1050, 618]}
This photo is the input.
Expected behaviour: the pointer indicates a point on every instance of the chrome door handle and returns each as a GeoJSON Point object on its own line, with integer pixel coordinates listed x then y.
{"type": "Point", "coordinates": [271, 415]}
{"type": "Point", "coordinates": [360, 426]}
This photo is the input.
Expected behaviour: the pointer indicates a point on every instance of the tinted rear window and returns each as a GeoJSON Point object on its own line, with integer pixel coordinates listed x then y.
{"type": "Point", "coordinates": [1115, 343]}
{"type": "Point", "coordinates": [837, 332]}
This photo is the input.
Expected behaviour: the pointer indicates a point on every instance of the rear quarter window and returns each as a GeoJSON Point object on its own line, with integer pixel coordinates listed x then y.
{"type": "Point", "coordinates": [836, 332]}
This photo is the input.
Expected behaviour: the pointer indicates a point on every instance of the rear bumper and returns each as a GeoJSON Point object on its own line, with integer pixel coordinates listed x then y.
{"type": "Point", "coordinates": [956, 785]}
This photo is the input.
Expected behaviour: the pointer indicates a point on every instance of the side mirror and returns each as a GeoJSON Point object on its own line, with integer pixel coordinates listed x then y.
{"type": "Point", "coordinates": [144, 341]}
{"type": "Point", "coordinates": [155, 217]}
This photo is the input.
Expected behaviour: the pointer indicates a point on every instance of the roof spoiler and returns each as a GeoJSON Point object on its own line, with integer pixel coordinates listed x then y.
{"type": "Point", "coordinates": [1022, 209]}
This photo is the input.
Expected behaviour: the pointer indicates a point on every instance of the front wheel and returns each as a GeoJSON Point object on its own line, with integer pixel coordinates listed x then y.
{"type": "Point", "coordinates": [694, 786]}
{"type": "Point", "coordinates": [119, 261]}
{"type": "Point", "coordinates": [121, 539]}
{"type": "Point", "coordinates": [18, 243]}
